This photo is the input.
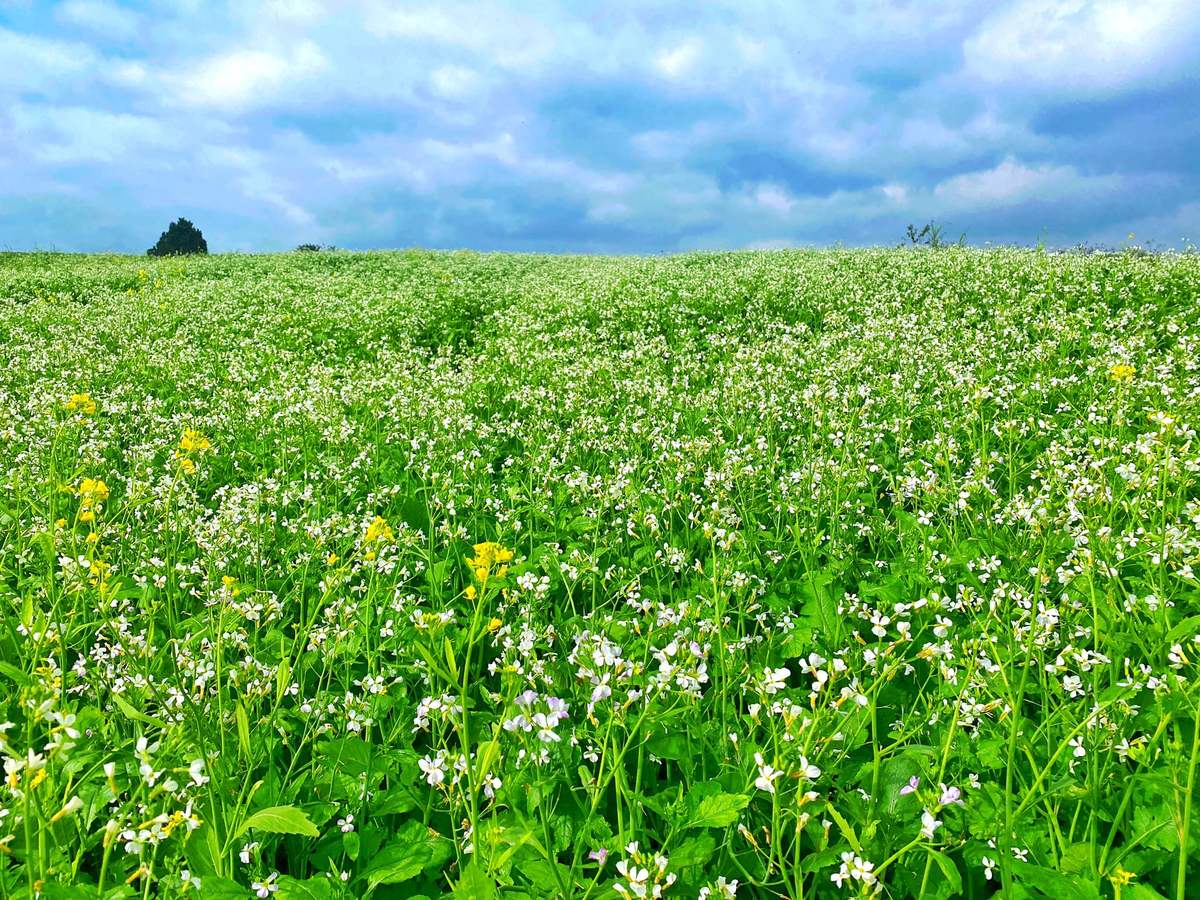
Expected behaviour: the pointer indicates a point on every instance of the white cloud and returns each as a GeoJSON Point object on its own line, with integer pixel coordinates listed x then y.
{"type": "Point", "coordinates": [1012, 182]}
{"type": "Point", "coordinates": [100, 17]}
{"type": "Point", "coordinates": [502, 148]}
{"type": "Point", "coordinates": [245, 78]}
{"type": "Point", "coordinates": [255, 182]}
{"type": "Point", "coordinates": [295, 10]}
{"type": "Point", "coordinates": [608, 213]}
{"type": "Point", "coordinates": [1086, 46]}
{"type": "Point", "coordinates": [31, 62]}
{"type": "Point", "coordinates": [679, 61]}
{"type": "Point", "coordinates": [69, 135]}
{"type": "Point", "coordinates": [774, 198]}
{"type": "Point", "coordinates": [455, 82]}
{"type": "Point", "coordinates": [494, 31]}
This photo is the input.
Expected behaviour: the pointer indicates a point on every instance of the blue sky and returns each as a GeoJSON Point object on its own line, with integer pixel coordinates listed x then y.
{"type": "Point", "coordinates": [588, 127]}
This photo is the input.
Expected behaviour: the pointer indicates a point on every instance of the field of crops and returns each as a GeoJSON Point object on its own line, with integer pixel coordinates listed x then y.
{"type": "Point", "coordinates": [797, 574]}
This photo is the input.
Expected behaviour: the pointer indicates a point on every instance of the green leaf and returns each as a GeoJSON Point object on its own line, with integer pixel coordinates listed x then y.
{"type": "Point", "coordinates": [845, 827]}
{"type": "Point", "coordinates": [669, 746]}
{"type": "Point", "coordinates": [203, 852]}
{"type": "Point", "coordinates": [279, 820]}
{"type": "Point", "coordinates": [309, 889]}
{"type": "Point", "coordinates": [718, 810]}
{"type": "Point", "coordinates": [1055, 884]}
{"type": "Point", "coordinates": [397, 800]}
{"type": "Point", "coordinates": [135, 714]}
{"type": "Point", "coordinates": [395, 863]}
{"type": "Point", "coordinates": [243, 729]}
{"type": "Point", "coordinates": [474, 884]}
{"type": "Point", "coordinates": [950, 873]}
{"type": "Point", "coordinates": [1185, 629]}
{"type": "Point", "coordinates": [222, 889]}
{"type": "Point", "coordinates": [415, 849]}
{"type": "Point", "coordinates": [16, 675]}
{"type": "Point", "coordinates": [545, 875]}
{"type": "Point", "coordinates": [695, 851]}
{"type": "Point", "coordinates": [1140, 892]}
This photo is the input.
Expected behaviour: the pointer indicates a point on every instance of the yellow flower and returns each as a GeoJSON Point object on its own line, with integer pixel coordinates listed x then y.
{"type": "Point", "coordinates": [331, 559]}
{"type": "Point", "coordinates": [81, 403]}
{"type": "Point", "coordinates": [1121, 372]}
{"type": "Point", "coordinates": [1121, 876]}
{"type": "Point", "coordinates": [494, 624]}
{"type": "Point", "coordinates": [187, 466]}
{"type": "Point", "coordinates": [489, 557]}
{"type": "Point", "coordinates": [93, 489]}
{"type": "Point", "coordinates": [92, 492]}
{"type": "Point", "coordinates": [378, 530]}
{"type": "Point", "coordinates": [470, 593]}
{"type": "Point", "coordinates": [193, 441]}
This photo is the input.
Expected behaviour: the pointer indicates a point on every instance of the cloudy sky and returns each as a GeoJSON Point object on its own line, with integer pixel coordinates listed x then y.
{"type": "Point", "coordinates": [597, 127]}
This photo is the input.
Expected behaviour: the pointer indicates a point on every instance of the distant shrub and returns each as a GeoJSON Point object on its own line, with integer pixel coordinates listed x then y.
{"type": "Point", "coordinates": [930, 235]}
{"type": "Point", "coordinates": [181, 237]}
{"type": "Point", "coordinates": [314, 248]}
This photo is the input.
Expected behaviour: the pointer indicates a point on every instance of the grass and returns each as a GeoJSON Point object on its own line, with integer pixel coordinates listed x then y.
{"type": "Point", "coordinates": [807, 575]}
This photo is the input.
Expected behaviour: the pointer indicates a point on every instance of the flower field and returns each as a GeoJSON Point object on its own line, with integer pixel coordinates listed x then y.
{"type": "Point", "coordinates": [859, 573]}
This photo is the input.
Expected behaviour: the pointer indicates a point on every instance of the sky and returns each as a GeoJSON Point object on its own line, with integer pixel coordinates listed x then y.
{"type": "Point", "coordinates": [598, 127]}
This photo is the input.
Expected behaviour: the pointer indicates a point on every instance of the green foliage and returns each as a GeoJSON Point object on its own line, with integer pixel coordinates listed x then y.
{"type": "Point", "coordinates": [181, 238]}
{"type": "Point", "coordinates": [930, 235]}
{"type": "Point", "coordinates": [402, 575]}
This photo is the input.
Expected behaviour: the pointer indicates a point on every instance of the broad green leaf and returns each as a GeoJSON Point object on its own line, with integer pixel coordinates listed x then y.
{"type": "Point", "coordinates": [669, 746]}
{"type": "Point", "coordinates": [414, 849]}
{"type": "Point", "coordinates": [1055, 884]}
{"type": "Point", "coordinates": [695, 851]}
{"type": "Point", "coordinates": [718, 811]}
{"type": "Point", "coordinates": [214, 888]}
{"type": "Point", "coordinates": [950, 873]}
{"type": "Point", "coordinates": [15, 675]}
{"type": "Point", "coordinates": [279, 820]}
{"type": "Point", "coordinates": [308, 889]}
{"type": "Point", "coordinates": [474, 884]}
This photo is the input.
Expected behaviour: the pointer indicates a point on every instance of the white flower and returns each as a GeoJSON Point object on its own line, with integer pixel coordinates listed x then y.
{"type": "Point", "coordinates": [775, 680]}
{"type": "Point", "coordinates": [929, 824]}
{"type": "Point", "coordinates": [725, 890]}
{"type": "Point", "coordinates": [434, 769]}
{"type": "Point", "coordinates": [854, 868]}
{"type": "Point", "coordinates": [807, 770]}
{"type": "Point", "coordinates": [767, 775]}
{"type": "Point", "coordinates": [950, 795]}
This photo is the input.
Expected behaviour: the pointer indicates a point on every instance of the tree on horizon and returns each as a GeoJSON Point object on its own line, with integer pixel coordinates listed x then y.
{"type": "Point", "coordinates": [181, 237]}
